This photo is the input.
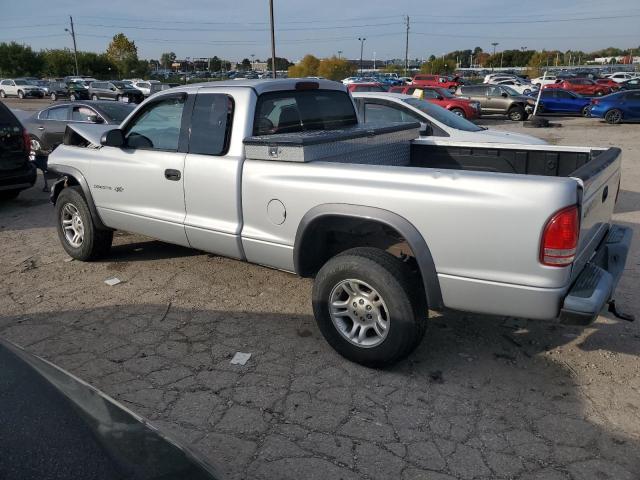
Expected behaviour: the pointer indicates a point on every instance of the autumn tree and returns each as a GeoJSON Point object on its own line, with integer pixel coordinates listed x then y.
{"type": "Point", "coordinates": [124, 54]}
{"type": "Point", "coordinates": [335, 68]}
{"type": "Point", "coordinates": [307, 67]}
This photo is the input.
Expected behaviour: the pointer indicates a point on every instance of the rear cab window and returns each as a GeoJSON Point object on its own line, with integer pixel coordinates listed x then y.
{"type": "Point", "coordinates": [290, 111]}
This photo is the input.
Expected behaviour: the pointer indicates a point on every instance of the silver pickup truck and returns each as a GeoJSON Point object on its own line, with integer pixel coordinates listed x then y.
{"type": "Point", "coordinates": [281, 173]}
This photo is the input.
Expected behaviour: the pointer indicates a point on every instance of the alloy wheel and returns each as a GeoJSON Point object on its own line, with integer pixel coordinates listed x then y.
{"type": "Point", "coordinates": [72, 225]}
{"type": "Point", "coordinates": [359, 313]}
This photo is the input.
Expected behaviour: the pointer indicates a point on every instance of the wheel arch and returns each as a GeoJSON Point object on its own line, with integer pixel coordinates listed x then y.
{"type": "Point", "coordinates": [70, 177]}
{"type": "Point", "coordinates": [319, 220]}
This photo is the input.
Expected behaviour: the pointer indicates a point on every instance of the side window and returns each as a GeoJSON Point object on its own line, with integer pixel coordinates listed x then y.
{"type": "Point", "coordinates": [81, 114]}
{"type": "Point", "coordinates": [494, 91]}
{"type": "Point", "coordinates": [376, 113]}
{"type": "Point", "coordinates": [57, 113]}
{"type": "Point", "coordinates": [157, 127]}
{"type": "Point", "coordinates": [430, 94]}
{"type": "Point", "coordinates": [211, 124]}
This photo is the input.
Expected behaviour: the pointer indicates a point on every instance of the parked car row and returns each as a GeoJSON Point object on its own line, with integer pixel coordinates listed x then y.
{"type": "Point", "coordinates": [80, 88]}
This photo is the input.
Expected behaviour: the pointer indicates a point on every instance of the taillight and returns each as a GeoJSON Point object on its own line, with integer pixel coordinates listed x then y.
{"type": "Point", "coordinates": [560, 238]}
{"type": "Point", "coordinates": [594, 101]}
{"type": "Point", "coordinates": [26, 140]}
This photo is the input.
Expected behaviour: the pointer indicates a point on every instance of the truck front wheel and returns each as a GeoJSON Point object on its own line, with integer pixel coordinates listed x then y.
{"type": "Point", "coordinates": [79, 236]}
{"type": "Point", "coordinates": [369, 306]}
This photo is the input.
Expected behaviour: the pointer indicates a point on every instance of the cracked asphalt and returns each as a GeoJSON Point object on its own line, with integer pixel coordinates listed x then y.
{"type": "Point", "coordinates": [482, 397]}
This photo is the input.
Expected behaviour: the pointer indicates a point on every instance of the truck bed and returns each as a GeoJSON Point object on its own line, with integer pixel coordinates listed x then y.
{"type": "Point", "coordinates": [524, 160]}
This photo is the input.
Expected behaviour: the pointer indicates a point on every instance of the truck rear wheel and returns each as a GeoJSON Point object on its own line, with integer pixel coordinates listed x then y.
{"type": "Point", "coordinates": [369, 306]}
{"type": "Point", "coordinates": [79, 236]}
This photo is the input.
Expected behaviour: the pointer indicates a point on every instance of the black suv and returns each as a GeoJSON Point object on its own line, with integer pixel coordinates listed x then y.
{"type": "Point", "coordinates": [16, 172]}
{"type": "Point", "coordinates": [114, 90]}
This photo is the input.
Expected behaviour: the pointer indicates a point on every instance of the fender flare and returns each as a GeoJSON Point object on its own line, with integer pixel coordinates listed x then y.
{"type": "Point", "coordinates": [67, 172]}
{"type": "Point", "coordinates": [400, 224]}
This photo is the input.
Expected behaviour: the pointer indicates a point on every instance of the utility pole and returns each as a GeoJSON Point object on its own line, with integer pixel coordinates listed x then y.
{"type": "Point", "coordinates": [406, 50]}
{"type": "Point", "coordinates": [495, 44]}
{"type": "Point", "coordinates": [362, 40]}
{"type": "Point", "coordinates": [374, 61]}
{"type": "Point", "coordinates": [273, 41]}
{"type": "Point", "coordinates": [339, 54]}
{"type": "Point", "coordinates": [75, 48]}
{"type": "Point", "coordinates": [501, 58]}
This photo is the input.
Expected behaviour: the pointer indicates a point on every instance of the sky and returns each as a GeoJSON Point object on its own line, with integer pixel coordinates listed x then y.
{"type": "Point", "coordinates": [239, 28]}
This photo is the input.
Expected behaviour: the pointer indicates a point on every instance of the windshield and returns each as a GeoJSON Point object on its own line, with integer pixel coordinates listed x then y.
{"type": "Point", "coordinates": [117, 112]}
{"type": "Point", "coordinates": [443, 115]}
{"type": "Point", "coordinates": [510, 91]}
{"type": "Point", "coordinates": [445, 92]}
{"type": "Point", "coordinates": [120, 84]}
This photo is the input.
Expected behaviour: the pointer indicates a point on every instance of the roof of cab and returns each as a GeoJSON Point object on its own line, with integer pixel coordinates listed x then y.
{"type": "Point", "coordinates": [260, 86]}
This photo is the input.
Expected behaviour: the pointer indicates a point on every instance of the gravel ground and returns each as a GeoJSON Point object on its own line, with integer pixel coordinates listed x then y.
{"type": "Point", "coordinates": [482, 397]}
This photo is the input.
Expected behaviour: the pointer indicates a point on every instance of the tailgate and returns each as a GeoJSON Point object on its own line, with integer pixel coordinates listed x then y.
{"type": "Point", "coordinates": [599, 180]}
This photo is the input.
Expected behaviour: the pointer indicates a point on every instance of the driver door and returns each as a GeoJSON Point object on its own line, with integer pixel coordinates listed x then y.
{"type": "Point", "coordinates": [139, 187]}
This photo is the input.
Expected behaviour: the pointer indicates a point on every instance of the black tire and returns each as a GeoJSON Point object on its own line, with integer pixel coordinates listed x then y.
{"type": "Point", "coordinates": [2, 94]}
{"type": "Point", "coordinates": [94, 97]}
{"type": "Point", "coordinates": [398, 287]}
{"type": "Point", "coordinates": [20, 94]}
{"type": "Point", "coordinates": [73, 97]}
{"type": "Point", "coordinates": [613, 116]}
{"type": "Point", "coordinates": [526, 91]}
{"type": "Point", "coordinates": [516, 113]}
{"type": "Point", "coordinates": [96, 242]}
{"type": "Point", "coordinates": [586, 111]}
{"type": "Point", "coordinates": [54, 97]}
{"type": "Point", "coordinates": [459, 112]}
{"type": "Point", "coordinates": [118, 97]}
{"type": "Point", "coordinates": [9, 194]}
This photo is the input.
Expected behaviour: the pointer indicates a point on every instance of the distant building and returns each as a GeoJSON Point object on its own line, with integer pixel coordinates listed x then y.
{"type": "Point", "coordinates": [616, 59]}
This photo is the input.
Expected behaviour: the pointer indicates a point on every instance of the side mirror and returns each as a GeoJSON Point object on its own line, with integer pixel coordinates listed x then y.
{"type": "Point", "coordinates": [113, 89]}
{"type": "Point", "coordinates": [426, 130]}
{"type": "Point", "coordinates": [504, 94]}
{"type": "Point", "coordinates": [95, 119]}
{"type": "Point", "coordinates": [112, 138]}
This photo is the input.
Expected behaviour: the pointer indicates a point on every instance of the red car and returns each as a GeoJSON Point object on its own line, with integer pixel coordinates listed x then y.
{"type": "Point", "coordinates": [436, 81]}
{"type": "Point", "coordinates": [366, 87]}
{"type": "Point", "coordinates": [444, 98]}
{"type": "Point", "coordinates": [607, 82]}
{"type": "Point", "coordinates": [583, 86]}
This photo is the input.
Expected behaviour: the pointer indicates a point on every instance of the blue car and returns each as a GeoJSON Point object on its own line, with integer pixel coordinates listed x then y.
{"type": "Point", "coordinates": [557, 100]}
{"type": "Point", "coordinates": [618, 107]}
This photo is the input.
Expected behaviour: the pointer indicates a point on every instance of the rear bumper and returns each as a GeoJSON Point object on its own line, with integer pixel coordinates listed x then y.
{"type": "Point", "coordinates": [597, 282]}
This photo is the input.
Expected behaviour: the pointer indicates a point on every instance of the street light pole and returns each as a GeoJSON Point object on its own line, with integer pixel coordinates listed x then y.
{"type": "Point", "coordinates": [495, 44]}
{"type": "Point", "coordinates": [374, 61]}
{"type": "Point", "coordinates": [75, 49]}
{"type": "Point", "coordinates": [273, 41]}
{"type": "Point", "coordinates": [362, 40]}
{"type": "Point", "coordinates": [339, 54]}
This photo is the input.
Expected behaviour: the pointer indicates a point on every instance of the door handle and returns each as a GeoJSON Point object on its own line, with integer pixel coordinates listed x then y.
{"type": "Point", "coordinates": [171, 174]}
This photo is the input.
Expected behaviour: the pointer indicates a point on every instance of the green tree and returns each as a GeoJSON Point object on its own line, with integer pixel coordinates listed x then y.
{"type": "Point", "coordinates": [393, 68]}
{"type": "Point", "coordinates": [245, 64]}
{"type": "Point", "coordinates": [167, 58]}
{"type": "Point", "coordinates": [281, 64]}
{"type": "Point", "coordinates": [438, 66]}
{"type": "Point", "coordinates": [335, 68]}
{"type": "Point", "coordinates": [307, 67]}
{"type": "Point", "coordinates": [19, 60]}
{"type": "Point", "coordinates": [124, 54]}
{"type": "Point", "coordinates": [58, 62]}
